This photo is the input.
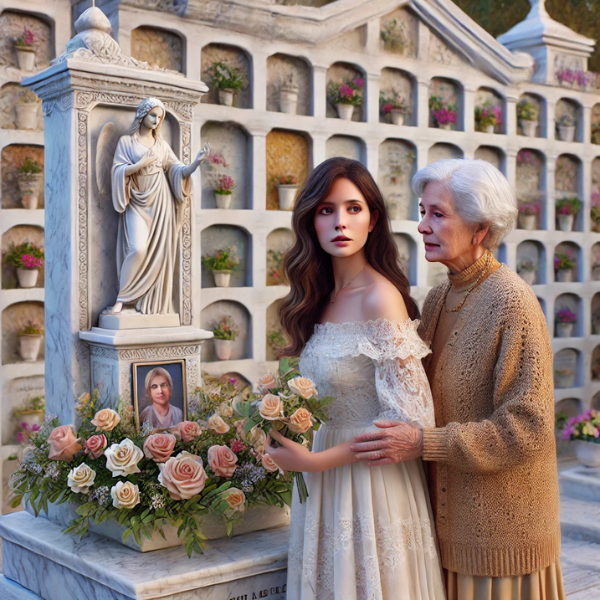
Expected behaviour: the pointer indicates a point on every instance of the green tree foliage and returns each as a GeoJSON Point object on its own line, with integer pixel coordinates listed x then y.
{"type": "Point", "coordinates": [498, 16]}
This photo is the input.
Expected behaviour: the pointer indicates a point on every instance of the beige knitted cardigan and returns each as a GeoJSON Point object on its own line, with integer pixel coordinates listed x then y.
{"type": "Point", "coordinates": [497, 499]}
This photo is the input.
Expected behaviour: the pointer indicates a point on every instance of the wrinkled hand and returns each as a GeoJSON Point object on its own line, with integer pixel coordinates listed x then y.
{"type": "Point", "coordinates": [203, 154]}
{"type": "Point", "coordinates": [394, 442]}
{"type": "Point", "coordinates": [289, 456]}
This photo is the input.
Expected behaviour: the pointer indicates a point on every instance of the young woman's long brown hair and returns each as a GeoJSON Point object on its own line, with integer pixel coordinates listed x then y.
{"type": "Point", "coordinates": [307, 267]}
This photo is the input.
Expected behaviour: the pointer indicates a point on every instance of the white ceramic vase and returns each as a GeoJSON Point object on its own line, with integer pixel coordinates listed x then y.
{"type": "Point", "coordinates": [32, 417]}
{"type": "Point", "coordinates": [397, 116]}
{"type": "Point", "coordinates": [287, 195]}
{"type": "Point", "coordinates": [226, 97]}
{"type": "Point", "coordinates": [527, 221]}
{"type": "Point", "coordinates": [223, 200]}
{"type": "Point", "coordinates": [564, 275]}
{"type": "Point", "coordinates": [345, 111]}
{"type": "Point", "coordinates": [588, 453]}
{"type": "Point", "coordinates": [29, 347]}
{"type": "Point", "coordinates": [529, 128]}
{"type": "Point", "coordinates": [27, 277]}
{"type": "Point", "coordinates": [26, 58]}
{"type": "Point", "coordinates": [565, 222]}
{"type": "Point", "coordinates": [27, 115]}
{"type": "Point", "coordinates": [446, 126]}
{"type": "Point", "coordinates": [528, 277]}
{"type": "Point", "coordinates": [566, 133]}
{"type": "Point", "coordinates": [489, 128]}
{"type": "Point", "coordinates": [562, 382]}
{"type": "Point", "coordinates": [223, 349]}
{"type": "Point", "coordinates": [29, 186]}
{"type": "Point", "coordinates": [564, 330]}
{"type": "Point", "coordinates": [222, 278]}
{"type": "Point", "coordinates": [288, 101]}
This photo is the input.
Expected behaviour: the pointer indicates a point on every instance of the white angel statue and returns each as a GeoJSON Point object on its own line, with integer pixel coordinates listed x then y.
{"type": "Point", "coordinates": [149, 187]}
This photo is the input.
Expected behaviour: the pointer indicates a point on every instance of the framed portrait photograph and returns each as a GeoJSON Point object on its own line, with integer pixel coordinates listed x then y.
{"type": "Point", "coordinates": [159, 393]}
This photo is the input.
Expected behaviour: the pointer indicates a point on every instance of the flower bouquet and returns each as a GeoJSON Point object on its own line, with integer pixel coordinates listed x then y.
{"type": "Point", "coordinates": [487, 116]}
{"type": "Point", "coordinates": [223, 188]}
{"type": "Point", "coordinates": [443, 114]}
{"type": "Point", "coordinates": [27, 259]}
{"type": "Point", "coordinates": [585, 430]}
{"type": "Point", "coordinates": [345, 96]}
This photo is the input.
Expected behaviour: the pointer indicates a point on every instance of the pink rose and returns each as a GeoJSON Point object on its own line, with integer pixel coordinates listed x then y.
{"type": "Point", "coordinates": [188, 430]}
{"type": "Point", "coordinates": [222, 460]}
{"type": "Point", "coordinates": [183, 475]}
{"type": "Point", "coordinates": [63, 443]}
{"type": "Point", "coordinates": [159, 446]}
{"type": "Point", "coordinates": [94, 447]}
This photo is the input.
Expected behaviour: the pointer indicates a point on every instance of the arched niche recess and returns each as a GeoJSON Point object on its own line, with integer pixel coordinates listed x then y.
{"type": "Point", "coordinates": [16, 394]}
{"type": "Point", "coordinates": [282, 67]}
{"type": "Point", "coordinates": [595, 312]}
{"type": "Point", "coordinates": [542, 305]}
{"type": "Point", "coordinates": [18, 235]}
{"type": "Point", "coordinates": [10, 95]}
{"type": "Point", "coordinates": [235, 58]}
{"type": "Point", "coordinates": [15, 317]}
{"type": "Point", "coordinates": [531, 262]}
{"type": "Point", "coordinates": [449, 93]}
{"type": "Point", "coordinates": [279, 242]}
{"type": "Point", "coordinates": [232, 142]}
{"type": "Point", "coordinates": [213, 314]}
{"type": "Point", "coordinates": [487, 99]}
{"type": "Point", "coordinates": [573, 303]}
{"type": "Point", "coordinates": [12, 158]}
{"type": "Point", "coordinates": [394, 83]}
{"type": "Point", "coordinates": [158, 47]}
{"type": "Point", "coordinates": [228, 237]}
{"type": "Point", "coordinates": [567, 368]}
{"type": "Point", "coordinates": [495, 156]}
{"type": "Point", "coordinates": [399, 31]}
{"type": "Point", "coordinates": [595, 196]}
{"type": "Point", "coordinates": [595, 133]}
{"type": "Point", "coordinates": [572, 111]}
{"type": "Point", "coordinates": [12, 24]}
{"type": "Point", "coordinates": [537, 104]}
{"type": "Point", "coordinates": [572, 251]}
{"type": "Point", "coordinates": [530, 186]}
{"type": "Point", "coordinates": [338, 73]}
{"type": "Point", "coordinates": [443, 150]}
{"type": "Point", "coordinates": [397, 165]}
{"type": "Point", "coordinates": [567, 184]}
{"type": "Point", "coordinates": [596, 401]}
{"type": "Point", "coordinates": [595, 262]}
{"type": "Point", "coordinates": [407, 252]}
{"type": "Point", "coordinates": [595, 375]}
{"type": "Point", "coordinates": [566, 408]}
{"type": "Point", "coordinates": [288, 153]}
{"type": "Point", "coordinates": [347, 146]}
{"type": "Point", "coordinates": [277, 339]}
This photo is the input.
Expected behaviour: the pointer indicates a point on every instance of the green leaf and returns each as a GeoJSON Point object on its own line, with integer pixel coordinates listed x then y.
{"type": "Point", "coordinates": [16, 501]}
{"type": "Point", "coordinates": [85, 509]}
{"type": "Point", "coordinates": [126, 534]}
{"type": "Point", "coordinates": [229, 528]}
{"type": "Point", "coordinates": [189, 546]}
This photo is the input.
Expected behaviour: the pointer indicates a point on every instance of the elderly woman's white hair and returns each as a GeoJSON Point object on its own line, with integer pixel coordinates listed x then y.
{"type": "Point", "coordinates": [479, 191]}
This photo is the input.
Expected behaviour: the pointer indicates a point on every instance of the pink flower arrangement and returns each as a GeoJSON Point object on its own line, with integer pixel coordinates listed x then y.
{"type": "Point", "coordinates": [95, 445]}
{"type": "Point", "coordinates": [224, 184]}
{"type": "Point", "coordinates": [444, 116]}
{"type": "Point", "coordinates": [26, 432]}
{"type": "Point", "coordinates": [31, 262]}
{"type": "Point", "coordinates": [526, 157]}
{"type": "Point", "coordinates": [564, 315]}
{"type": "Point", "coordinates": [26, 39]}
{"type": "Point", "coordinates": [529, 208]}
{"type": "Point", "coordinates": [215, 158]}
{"type": "Point", "coordinates": [583, 427]}
{"type": "Point", "coordinates": [574, 76]}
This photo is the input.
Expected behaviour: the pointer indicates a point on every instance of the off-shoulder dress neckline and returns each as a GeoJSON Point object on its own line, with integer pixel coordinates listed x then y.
{"type": "Point", "coordinates": [401, 324]}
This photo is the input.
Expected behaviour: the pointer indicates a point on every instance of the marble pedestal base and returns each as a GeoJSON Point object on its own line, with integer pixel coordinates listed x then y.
{"type": "Point", "coordinates": [52, 565]}
{"type": "Point", "coordinates": [581, 482]}
{"type": "Point", "coordinates": [130, 319]}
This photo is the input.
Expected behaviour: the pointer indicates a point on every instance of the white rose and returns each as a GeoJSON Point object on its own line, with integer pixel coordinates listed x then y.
{"type": "Point", "coordinates": [81, 479]}
{"type": "Point", "coordinates": [125, 494]}
{"type": "Point", "coordinates": [123, 458]}
{"type": "Point", "coordinates": [303, 386]}
{"type": "Point", "coordinates": [217, 425]}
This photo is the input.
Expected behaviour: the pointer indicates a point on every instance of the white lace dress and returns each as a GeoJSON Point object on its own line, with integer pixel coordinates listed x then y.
{"type": "Point", "coordinates": [365, 533]}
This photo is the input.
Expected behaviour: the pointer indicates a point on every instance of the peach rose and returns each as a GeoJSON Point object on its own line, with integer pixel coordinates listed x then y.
{"type": "Point", "coordinates": [239, 427]}
{"type": "Point", "coordinates": [267, 383]}
{"type": "Point", "coordinates": [94, 447]}
{"type": "Point", "coordinates": [303, 387]}
{"type": "Point", "coordinates": [183, 475]}
{"type": "Point", "coordinates": [269, 464]}
{"type": "Point", "coordinates": [225, 409]}
{"type": "Point", "coordinates": [159, 446]}
{"type": "Point", "coordinates": [217, 425]}
{"type": "Point", "coordinates": [125, 494]}
{"type": "Point", "coordinates": [188, 430]}
{"type": "Point", "coordinates": [222, 460]}
{"type": "Point", "coordinates": [106, 419]}
{"type": "Point", "coordinates": [81, 479]}
{"type": "Point", "coordinates": [236, 499]}
{"type": "Point", "coordinates": [300, 421]}
{"type": "Point", "coordinates": [63, 443]}
{"type": "Point", "coordinates": [270, 407]}
{"type": "Point", "coordinates": [123, 458]}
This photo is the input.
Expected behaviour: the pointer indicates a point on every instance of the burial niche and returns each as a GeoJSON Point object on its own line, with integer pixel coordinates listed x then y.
{"type": "Point", "coordinates": [226, 256]}
{"type": "Point", "coordinates": [531, 262]}
{"type": "Point", "coordinates": [277, 339]}
{"type": "Point", "coordinates": [445, 104]}
{"type": "Point", "coordinates": [489, 114]}
{"type": "Point", "coordinates": [568, 121]}
{"type": "Point", "coordinates": [567, 368]}
{"type": "Point", "coordinates": [22, 333]}
{"type": "Point", "coordinates": [531, 196]}
{"type": "Point", "coordinates": [26, 240]}
{"type": "Point", "coordinates": [567, 183]}
{"type": "Point", "coordinates": [346, 92]}
{"type": "Point", "coordinates": [397, 97]}
{"type": "Point", "coordinates": [531, 116]}
{"type": "Point", "coordinates": [289, 85]}
{"type": "Point", "coordinates": [160, 48]}
{"type": "Point", "coordinates": [397, 166]}
{"type": "Point", "coordinates": [231, 322]}
{"type": "Point", "coordinates": [347, 146]}
{"type": "Point", "coordinates": [567, 262]}
{"type": "Point", "coordinates": [495, 156]}
{"type": "Point", "coordinates": [279, 241]}
{"type": "Point", "coordinates": [22, 168]}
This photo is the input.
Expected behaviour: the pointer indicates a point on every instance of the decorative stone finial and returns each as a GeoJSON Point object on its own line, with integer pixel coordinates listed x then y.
{"type": "Point", "coordinates": [538, 7]}
{"type": "Point", "coordinates": [93, 18]}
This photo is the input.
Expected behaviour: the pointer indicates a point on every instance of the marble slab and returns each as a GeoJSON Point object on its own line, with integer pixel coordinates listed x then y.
{"type": "Point", "coordinates": [11, 590]}
{"type": "Point", "coordinates": [134, 320]}
{"type": "Point", "coordinates": [56, 566]}
{"type": "Point", "coordinates": [581, 482]}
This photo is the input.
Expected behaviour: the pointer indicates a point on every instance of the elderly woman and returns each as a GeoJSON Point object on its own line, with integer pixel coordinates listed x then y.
{"type": "Point", "coordinates": [159, 388]}
{"type": "Point", "coordinates": [492, 463]}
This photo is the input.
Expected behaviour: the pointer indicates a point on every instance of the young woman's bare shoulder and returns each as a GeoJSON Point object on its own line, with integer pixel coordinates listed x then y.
{"type": "Point", "coordinates": [383, 301]}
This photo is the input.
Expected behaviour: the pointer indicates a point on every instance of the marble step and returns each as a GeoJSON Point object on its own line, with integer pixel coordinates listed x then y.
{"type": "Point", "coordinates": [580, 519]}
{"type": "Point", "coordinates": [55, 566]}
{"type": "Point", "coordinates": [581, 482]}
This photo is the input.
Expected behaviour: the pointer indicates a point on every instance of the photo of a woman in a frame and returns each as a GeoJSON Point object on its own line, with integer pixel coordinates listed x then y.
{"type": "Point", "coordinates": [159, 388]}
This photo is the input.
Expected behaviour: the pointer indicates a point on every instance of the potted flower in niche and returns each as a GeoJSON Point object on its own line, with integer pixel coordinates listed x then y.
{"type": "Point", "coordinates": [345, 96]}
{"type": "Point", "coordinates": [31, 413]}
{"type": "Point", "coordinates": [30, 339]}
{"type": "Point", "coordinates": [221, 264]}
{"type": "Point", "coordinates": [288, 95]}
{"type": "Point", "coordinates": [527, 115]}
{"type": "Point", "coordinates": [224, 186]}
{"type": "Point", "coordinates": [565, 322]}
{"type": "Point", "coordinates": [528, 213]}
{"type": "Point", "coordinates": [27, 109]}
{"type": "Point", "coordinates": [396, 106]}
{"type": "Point", "coordinates": [442, 113]}
{"type": "Point", "coordinates": [596, 270]}
{"type": "Point", "coordinates": [564, 266]}
{"type": "Point", "coordinates": [29, 180]}
{"type": "Point", "coordinates": [275, 271]}
{"type": "Point", "coordinates": [287, 186]}
{"type": "Point", "coordinates": [566, 127]}
{"type": "Point", "coordinates": [27, 259]}
{"type": "Point", "coordinates": [564, 378]}
{"type": "Point", "coordinates": [527, 270]}
{"type": "Point", "coordinates": [583, 429]}
{"type": "Point", "coordinates": [595, 212]}
{"type": "Point", "coordinates": [595, 133]}
{"type": "Point", "coordinates": [25, 51]}
{"type": "Point", "coordinates": [225, 333]}
{"type": "Point", "coordinates": [487, 116]}
{"type": "Point", "coordinates": [277, 341]}
{"type": "Point", "coordinates": [566, 210]}
{"type": "Point", "coordinates": [227, 80]}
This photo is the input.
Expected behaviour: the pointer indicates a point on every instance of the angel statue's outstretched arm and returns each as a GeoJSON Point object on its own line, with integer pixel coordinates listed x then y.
{"type": "Point", "coordinates": [202, 155]}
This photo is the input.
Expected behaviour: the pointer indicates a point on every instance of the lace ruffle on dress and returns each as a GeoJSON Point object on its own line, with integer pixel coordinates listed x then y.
{"type": "Point", "coordinates": [366, 533]}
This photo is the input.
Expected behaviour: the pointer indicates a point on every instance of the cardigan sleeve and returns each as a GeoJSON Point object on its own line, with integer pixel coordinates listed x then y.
{"type": "Point", "coordinates": [523, 420]}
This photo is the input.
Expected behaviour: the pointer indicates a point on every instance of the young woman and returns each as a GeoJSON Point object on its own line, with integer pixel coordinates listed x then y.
{"type": "Point", "coordinates": [365, 532]}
